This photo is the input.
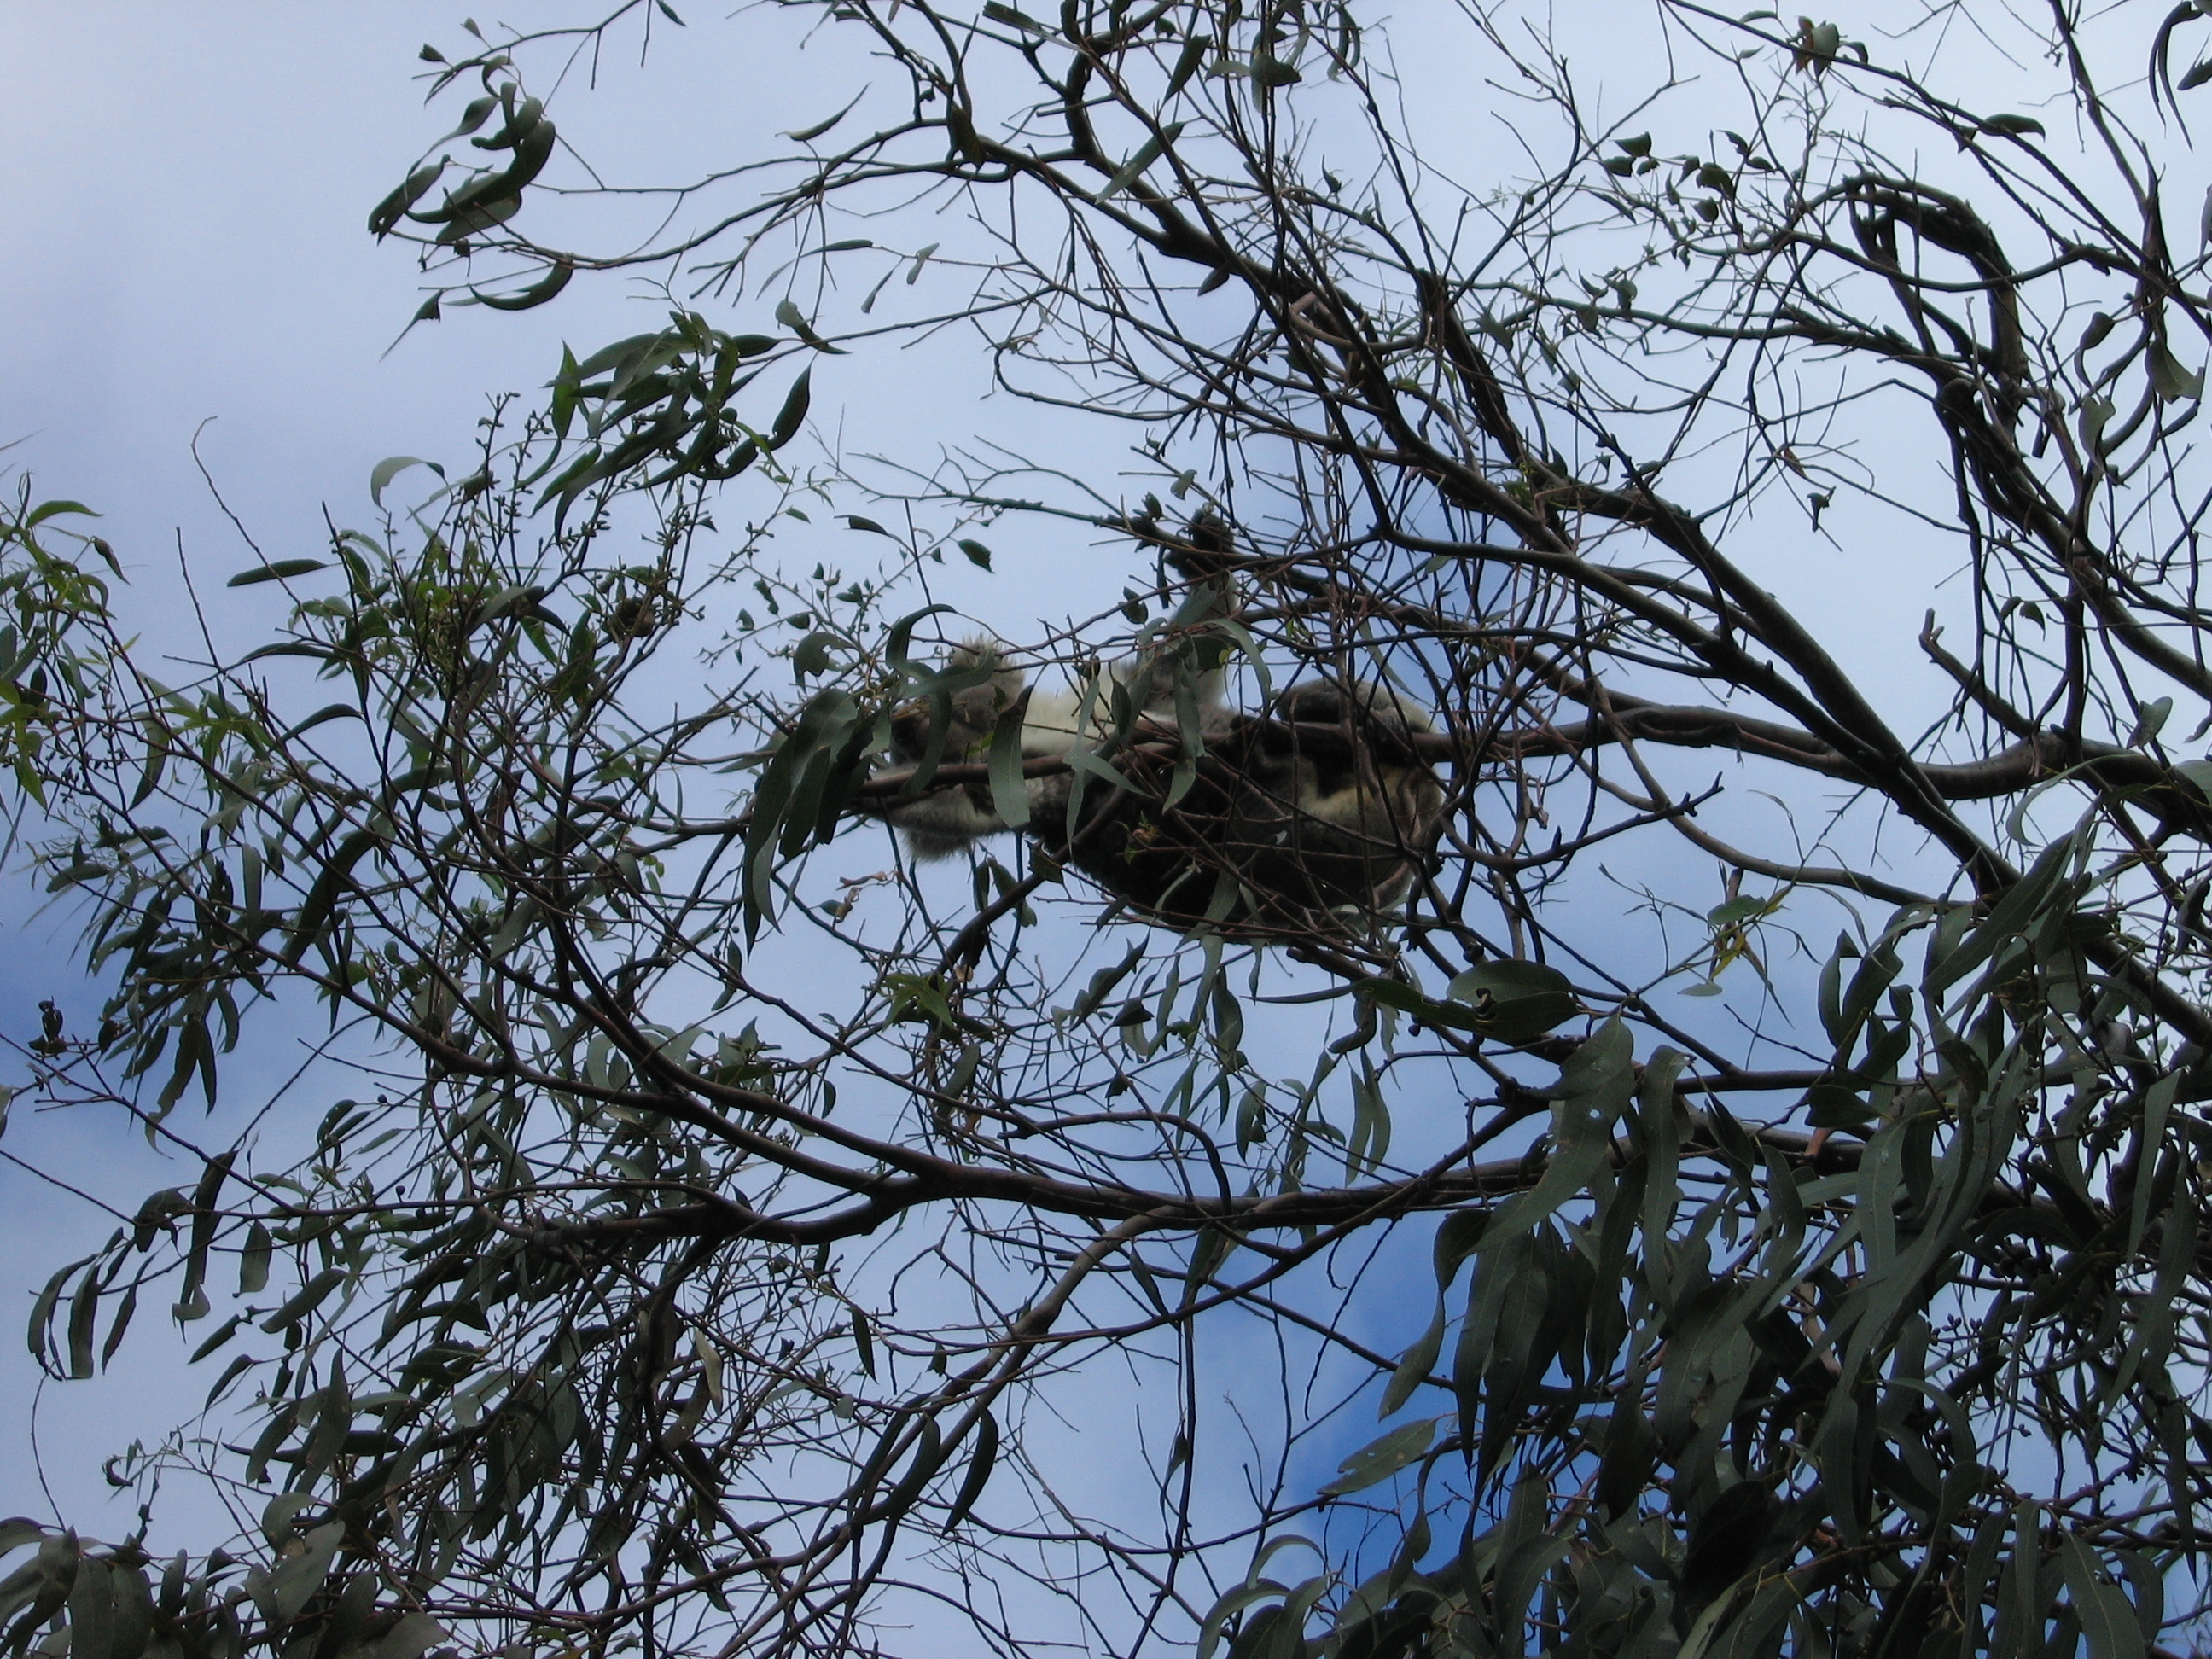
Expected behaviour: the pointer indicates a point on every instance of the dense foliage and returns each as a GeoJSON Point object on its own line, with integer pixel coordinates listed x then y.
{"type": "Point", "coordinates": [734, 1238]}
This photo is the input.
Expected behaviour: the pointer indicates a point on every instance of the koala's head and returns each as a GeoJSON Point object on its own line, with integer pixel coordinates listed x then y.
{"type": "Point", "coordinates": [975, 709]}
{"type": "Point", "coordinates": [1327, 702]}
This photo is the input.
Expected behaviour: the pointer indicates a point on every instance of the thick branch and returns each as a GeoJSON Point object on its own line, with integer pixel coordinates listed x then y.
{"type": "Point", "coordinates": [2017, 767]}
{"type": "Point", "coordinates": [726, 1219]}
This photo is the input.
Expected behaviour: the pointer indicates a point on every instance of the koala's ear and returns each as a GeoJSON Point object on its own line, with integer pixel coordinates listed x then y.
{"type": "Point", "coordinates": [1208, 533]}
{"type": "Point", "coordinates": [1205, 550]}
{"type": "Point", "coordinates": [982, 652]}
{"type": "Point", "coordinates": [1314, 703]}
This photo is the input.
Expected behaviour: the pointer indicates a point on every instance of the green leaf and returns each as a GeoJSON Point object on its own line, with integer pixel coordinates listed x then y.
{"type": "Point", "coordinates": [2150, 721]}
{"type": "Point", "coordinates": [1147, 153]}
{"type": "Point", "coordinates": [1738, 910]}
{"type": "Point", "coordinates": [385, 216]}
{"type": "Point", "coordinates": [120, 1324]}
{"type": "Point", "coordinates": [414, 1636]}
{"type": "Point", "coordinates": [2108, 1619]}
{"type": "Point", "coordinates": [222, 1335]}
{"type": "Point", "coordinates": [149, 777]}
{"type": "Point", "coordinates": [300, 1576]}
{"type": "Point", "coordinates": [322, 716]}
{"type": "Point", "coordinates": [306, 1300]}
{"type": "Point", "coordinates": [1380, 1459]}
{"type": "Point", "coordinates": [981, 1462]}
{"type": "Point", "coordinates": [634, 349]}
{"type": "Point", "coordinates": [134, 1611]}
{"type": "Point", "coordinates": [544, 288]}
{"type": "Point", "coordinates": [796, 320]}
{"type": "Point", "coordinates": [1194, 49]}
{"type": "Point", "coordinates": [1515, 1002]}
{"type": "Point", "coordinates": [390, 468]}
{"type": "Point", "coordinates": [528, 117]}
{"type": "Point", "coordinates": [84, 1314]}
{"type": "Point", "coordinates": [1833, 1106]}
{"type": "Point", "coordinates": [976, 553]}
{"type": "Point", "coordinates": [254, 1260]}
{"type": "Point", "coordinates": [2169, 380]}
{"type": "Point", "coordinates": [1457, 1238]}
{"type": "Point", "coordinates": [42, 1313]}
{"type": "Point", "coordinates": [46, 510]}
{"type": "Point", "coordinates": [928, 1457]}
{"type": "Point", "coordinates": [1594, 1088]}
{"type": "Point", "coordinates": [280, 570]}
{"type": "Point", "coordinates": [1631, 1455]}
{"type": "Point", "coordinates": [204, 1220]}
{"type": "Point", "coordinates": [998, 12]}
{"type": "Point", "coordinates": [2096, 413]}
{"type": "Point", "coordinates": [316, 909]}
{"type": "Point", "coordinates": [807, 135]}
{"type": "Point", "coordinates": [92, 1612]}
{"type": "Point", "coordinates": [864, 1342]}
{"type": "Point", "coordinates": [789, 418]}
{"type": "Point", "coordinates": [1413, 1368]}
{"type": "Point", "coordinates": [1010, 791]}
{"type": "Point", "coordinates": [474, 114]}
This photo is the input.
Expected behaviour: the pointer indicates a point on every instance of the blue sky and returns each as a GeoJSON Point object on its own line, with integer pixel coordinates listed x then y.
{"type": "Point", "coordinates": [183, 243]}
{"type": "Point", "coordinates": [183, 250]}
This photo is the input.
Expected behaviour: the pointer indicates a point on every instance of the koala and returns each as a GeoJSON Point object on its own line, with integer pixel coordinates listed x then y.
{"type": "Point", "coordinates": [1306, 819]}
{"type": "Point", "coordinates": [1331, 807]}
{"type": "Point", "coordinates": [948, 821]}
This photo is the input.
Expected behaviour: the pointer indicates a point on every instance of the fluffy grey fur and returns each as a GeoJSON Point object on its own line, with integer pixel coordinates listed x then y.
{"type": "Point", "coordinates": [948, 821]}
{"type": "Point", "coordinates": [1285, 822]}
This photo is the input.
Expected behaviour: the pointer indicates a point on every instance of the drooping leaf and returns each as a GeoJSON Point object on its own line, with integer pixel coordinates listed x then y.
{"type": "Point", "coordinates": [1380, 1459]}
{"type": "Point", "coordinates": [277, 571]}
{"type": "Point", "coordinates": [1515, 1002]}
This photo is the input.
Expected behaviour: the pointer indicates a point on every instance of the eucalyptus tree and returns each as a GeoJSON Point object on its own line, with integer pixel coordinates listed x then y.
{"type": "Point", "coordinates": [1782, 1081]}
